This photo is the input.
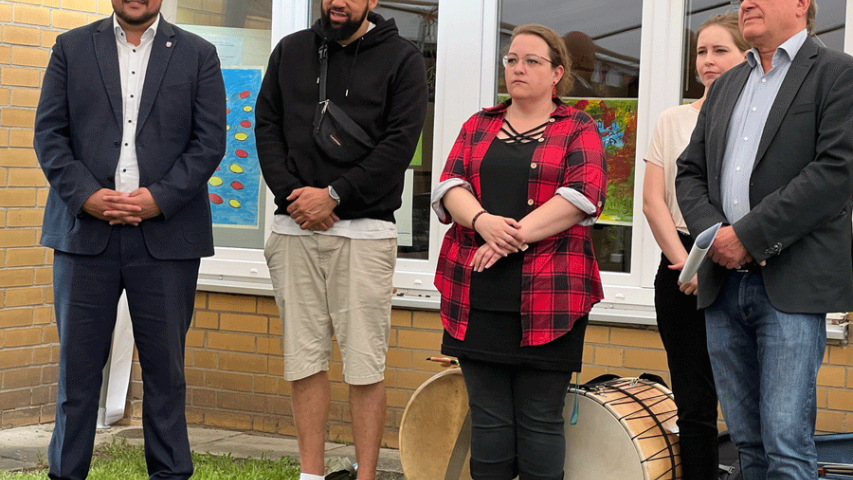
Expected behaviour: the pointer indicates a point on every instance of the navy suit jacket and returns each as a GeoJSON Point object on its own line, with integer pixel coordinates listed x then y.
{"type": "Point", "coordinates": [800, 187]}
{"type": "Point", "coordinates": [180, 138]}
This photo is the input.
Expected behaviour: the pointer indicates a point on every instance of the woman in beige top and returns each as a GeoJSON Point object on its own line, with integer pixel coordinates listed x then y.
{"type": "Point", "coordinates": [720, 46]}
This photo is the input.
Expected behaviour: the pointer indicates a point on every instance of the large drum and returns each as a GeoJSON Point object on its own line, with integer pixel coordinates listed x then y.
{"type": "Point", "coordinates": [625, 430]}
{"type": "Point", "coordinates": [435, 432]}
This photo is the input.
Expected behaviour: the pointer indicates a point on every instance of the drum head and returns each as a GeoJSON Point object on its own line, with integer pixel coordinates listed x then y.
{"type": "Point", "coordinates": [431, 426]}
{"type": "Point", "coordinates": [598, 446]}
{"type": "Point", "coordinates": [625, 429]}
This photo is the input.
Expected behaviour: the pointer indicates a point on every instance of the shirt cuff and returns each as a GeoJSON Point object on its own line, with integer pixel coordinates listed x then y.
{"type": "Point", "coordinates": [577, 199]}
{"type": "Point", "coordinates": [438, 196]}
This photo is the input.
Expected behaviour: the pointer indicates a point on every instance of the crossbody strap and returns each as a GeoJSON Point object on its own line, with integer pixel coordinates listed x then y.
{"type": "Point", "coordinates": [324, 68]}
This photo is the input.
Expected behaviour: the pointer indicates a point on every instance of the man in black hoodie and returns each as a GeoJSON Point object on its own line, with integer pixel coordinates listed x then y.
{"type": "Point", "coordinates": [333, 248]}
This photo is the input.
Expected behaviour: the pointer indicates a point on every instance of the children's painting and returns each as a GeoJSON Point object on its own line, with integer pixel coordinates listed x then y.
{"type": "Point", "coordinates": [617, 124]}
{"type": "Point", "coordinates": [235, 187]}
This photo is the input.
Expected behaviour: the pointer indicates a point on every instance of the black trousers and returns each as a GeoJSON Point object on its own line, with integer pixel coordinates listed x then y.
{"type": "Point", "coordinates": [682, 329]}
{"type": "Point", "coordinates": [517, 425]}
{"type": "Point", "coordinates": [161, 297]}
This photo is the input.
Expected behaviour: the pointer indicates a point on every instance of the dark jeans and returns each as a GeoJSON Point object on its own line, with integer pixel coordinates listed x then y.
{"type": "Point", "coordinates": [516, 421]}
{"type": "Point", "coordinates": [682, 329]}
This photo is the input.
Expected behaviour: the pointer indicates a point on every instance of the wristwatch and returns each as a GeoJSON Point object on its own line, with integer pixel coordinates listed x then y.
{"type": "Point", "coordinates": [334, 194]}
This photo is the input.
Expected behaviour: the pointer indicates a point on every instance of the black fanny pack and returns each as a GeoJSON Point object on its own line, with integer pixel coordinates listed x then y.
{"type": "Point", "coordinates": [335, 133]}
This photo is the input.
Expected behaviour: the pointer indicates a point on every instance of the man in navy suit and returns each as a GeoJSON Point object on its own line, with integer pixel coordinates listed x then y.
{"type": "Point", "coordinates": [129, 128]}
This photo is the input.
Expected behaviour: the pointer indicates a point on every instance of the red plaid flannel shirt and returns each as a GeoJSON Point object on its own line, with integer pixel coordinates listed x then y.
{"type": "Point", "coordinates": [560, 279]}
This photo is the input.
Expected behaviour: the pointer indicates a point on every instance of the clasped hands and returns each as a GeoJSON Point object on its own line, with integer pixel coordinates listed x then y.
{"type": "Point", "coordinates": [312, 208]}
{"type": "Point", "coordinates": [728, 251]}
{"type": "Point", "coordinates": [502, 235]}
{"type": "Point", "coordinates": [122, 208]}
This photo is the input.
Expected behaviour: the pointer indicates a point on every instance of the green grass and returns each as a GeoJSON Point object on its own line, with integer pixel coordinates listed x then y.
{"type": "Point", "coordinates": [127, 462]}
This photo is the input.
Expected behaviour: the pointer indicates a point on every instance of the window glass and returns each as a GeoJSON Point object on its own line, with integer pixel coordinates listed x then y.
{"type": "Point", "coordinates": [417, 21]}
{"type": "Point", "coordinates": [829, 29]}
{"type": "Point", "coordinates": [603, 39]}
{"type": "Point", "coordinates": [240, 29]}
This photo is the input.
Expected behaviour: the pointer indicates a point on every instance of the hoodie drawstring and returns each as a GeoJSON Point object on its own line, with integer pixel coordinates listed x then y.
{"type": "Point", "coordinates": [352, 68]}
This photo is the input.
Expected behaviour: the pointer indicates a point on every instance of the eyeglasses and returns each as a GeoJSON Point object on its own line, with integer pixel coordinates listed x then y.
{"type": "Point", "coordinates": [530, 61]}
{"type": "Point", "coordinates": [736, 3]}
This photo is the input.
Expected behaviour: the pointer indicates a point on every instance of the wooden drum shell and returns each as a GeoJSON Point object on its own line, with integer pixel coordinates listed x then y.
{"type": "Point", "coordinates": [431, 424]}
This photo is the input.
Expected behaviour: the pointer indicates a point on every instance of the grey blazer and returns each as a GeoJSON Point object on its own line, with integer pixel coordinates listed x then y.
{"type": "Point", "coordinates": [800, 188]}
{"type": "Point", "coordinates": [180, 138]}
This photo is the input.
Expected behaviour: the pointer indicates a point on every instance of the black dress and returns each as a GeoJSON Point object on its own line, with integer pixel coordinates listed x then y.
{"type": "Point", "coordinates": [494, 322]}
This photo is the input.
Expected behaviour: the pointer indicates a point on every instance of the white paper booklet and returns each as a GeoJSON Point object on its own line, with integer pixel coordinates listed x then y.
{"type": "Point", "coordinates": [697, 253]}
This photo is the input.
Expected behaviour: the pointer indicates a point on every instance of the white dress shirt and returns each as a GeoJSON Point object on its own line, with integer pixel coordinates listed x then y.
{"type": "Point", "coordinates": [747, 122]}
{"type": "Point", "coordinates": [133, 63]}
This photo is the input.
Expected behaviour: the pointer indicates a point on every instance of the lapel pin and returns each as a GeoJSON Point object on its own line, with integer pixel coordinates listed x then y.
{"type": "Point", "coordinates": [168, 44]}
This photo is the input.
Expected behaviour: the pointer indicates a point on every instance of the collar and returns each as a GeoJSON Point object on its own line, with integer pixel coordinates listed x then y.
{"type": "Point", "coordinates": [149, 33]}
{"type": "Point", "coordinates": [790, 48]}
{"type": "Point", "coordinates": [562, 109]}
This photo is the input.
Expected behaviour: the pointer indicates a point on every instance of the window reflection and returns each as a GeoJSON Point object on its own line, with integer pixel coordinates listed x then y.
{"type": "Point", "coordinates": [829, 29]}
{"type": "Point", "coordinates": [603, 40]}
{"type": "Point", "coordinates": [240, 30]}
{"type": "Point", "coordinates": [228, 13]}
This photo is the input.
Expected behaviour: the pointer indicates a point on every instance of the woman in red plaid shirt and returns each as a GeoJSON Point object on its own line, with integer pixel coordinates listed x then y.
{"type": "Point", "coordinates": [517, 272]}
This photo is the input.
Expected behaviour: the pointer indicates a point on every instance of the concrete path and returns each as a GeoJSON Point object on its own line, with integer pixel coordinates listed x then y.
{"type": "Point", "coordinates": [26, 447]}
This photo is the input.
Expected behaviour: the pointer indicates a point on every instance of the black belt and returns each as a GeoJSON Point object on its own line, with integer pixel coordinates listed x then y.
{"type": "Point", "coordinates": [750, 267]}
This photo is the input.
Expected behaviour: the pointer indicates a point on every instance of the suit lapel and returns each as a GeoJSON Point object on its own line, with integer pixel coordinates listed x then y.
{"type": "Point", "coordinates": [107, 55]}
{"type": "Point", "coordinates": [800, 67]}
{"type": "Point", "coordinates": [161, 51]}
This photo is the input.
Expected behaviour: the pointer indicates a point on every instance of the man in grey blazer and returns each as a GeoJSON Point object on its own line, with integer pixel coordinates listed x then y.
{"type": "Point", "coordinates": [130, 126]}
{"type": "Point", "coordinates": [772, 159]}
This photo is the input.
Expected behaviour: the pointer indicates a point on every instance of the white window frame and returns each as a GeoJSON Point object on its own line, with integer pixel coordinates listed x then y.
{"type": "Point", "coordinates": [468, 35]}
{"type": "Point", "coordinates": [244, 270]}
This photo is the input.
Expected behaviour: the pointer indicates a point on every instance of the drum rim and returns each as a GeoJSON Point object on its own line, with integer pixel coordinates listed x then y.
{"type": "Point", "coordinates": [452, 371]}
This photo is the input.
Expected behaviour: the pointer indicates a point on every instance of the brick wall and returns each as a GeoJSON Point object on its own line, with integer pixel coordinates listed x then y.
{"type": "Point", "coordinates": [234, 368]}
{"type": "Point", "coordinates": [28, 348]}
{"type": "Point", "coordinates": [234, 358]}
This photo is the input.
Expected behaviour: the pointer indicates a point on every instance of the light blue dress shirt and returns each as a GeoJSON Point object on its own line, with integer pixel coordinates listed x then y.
{"type": "Point", "coordinates": [747, 125]}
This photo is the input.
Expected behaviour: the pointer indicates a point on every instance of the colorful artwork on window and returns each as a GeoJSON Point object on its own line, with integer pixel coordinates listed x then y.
{"type": "Point", "coordinates": [617, 124]}
{"type": "Point", "coordinates": [235, 187]}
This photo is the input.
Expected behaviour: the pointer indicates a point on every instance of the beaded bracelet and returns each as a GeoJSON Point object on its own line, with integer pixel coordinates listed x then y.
{"type": "Point", "coordinates": [476, 216]}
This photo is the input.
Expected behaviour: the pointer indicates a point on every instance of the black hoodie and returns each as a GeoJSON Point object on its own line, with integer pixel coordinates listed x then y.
{"type": "Point", "coordinates": [385, 78]}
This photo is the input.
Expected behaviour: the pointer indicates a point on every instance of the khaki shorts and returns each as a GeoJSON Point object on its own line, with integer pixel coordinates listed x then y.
{"type": "Point", "coordinates": [326, 284]}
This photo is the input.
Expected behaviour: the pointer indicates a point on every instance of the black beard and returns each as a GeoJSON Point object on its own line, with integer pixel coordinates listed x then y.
{"type": "Point", "coordinates": [343, 32]}
{"type": "Point", "coordinates": [135, 21]}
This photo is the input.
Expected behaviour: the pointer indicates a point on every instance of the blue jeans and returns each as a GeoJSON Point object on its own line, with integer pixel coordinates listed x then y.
{"type": "Point", "coordinates": [765, 366]}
